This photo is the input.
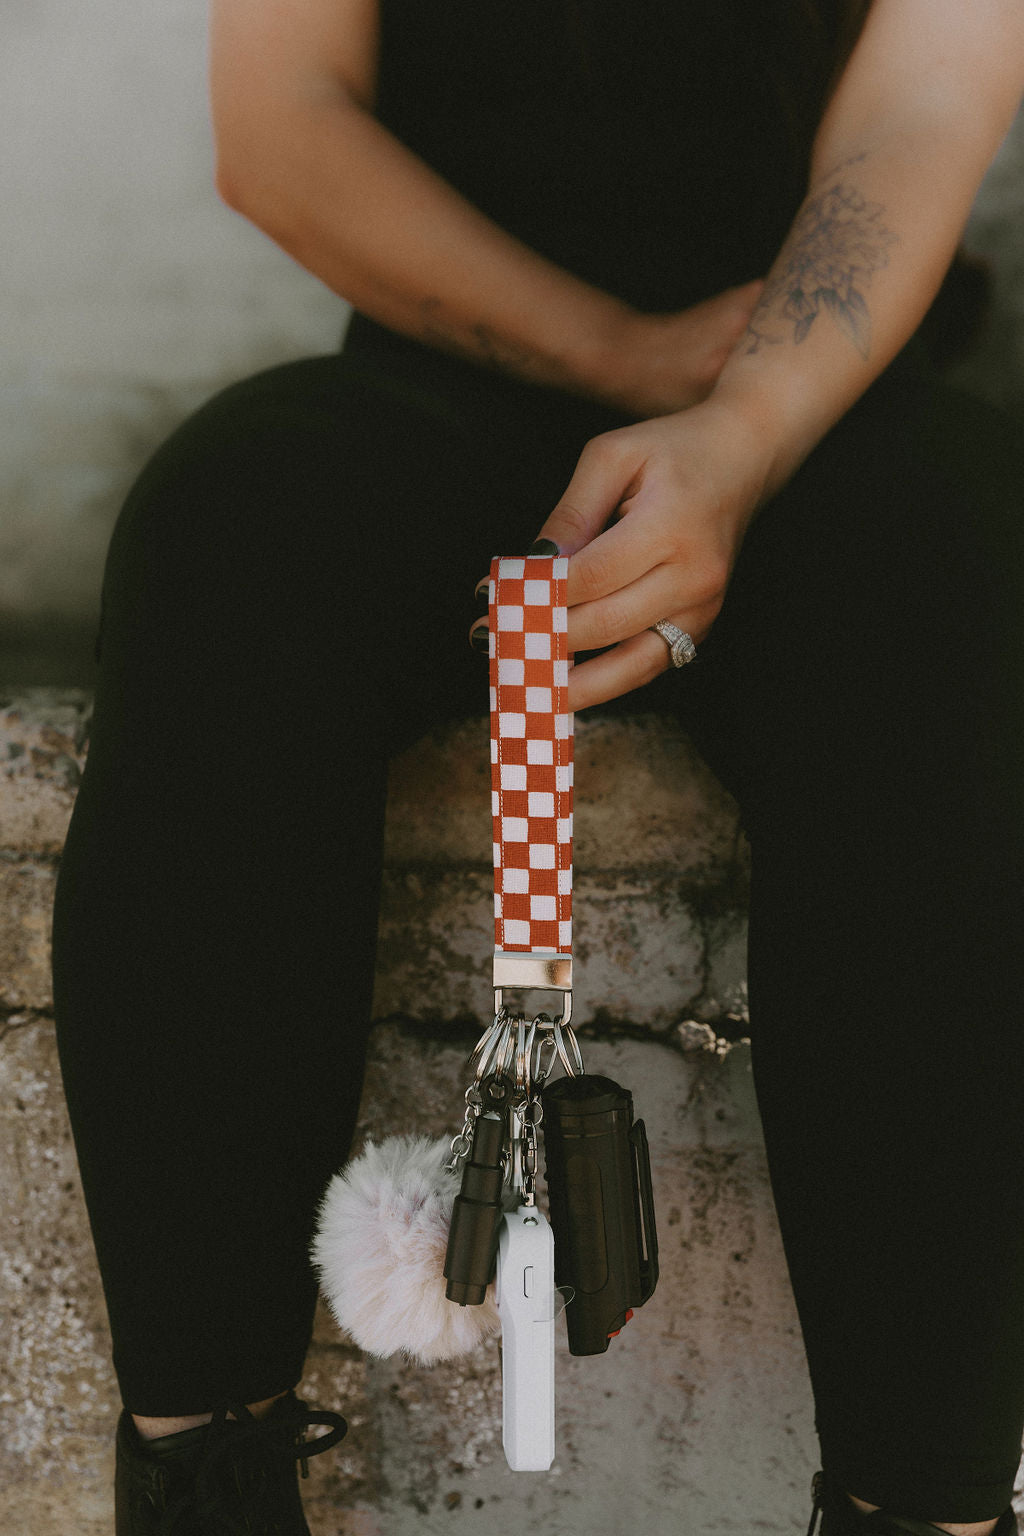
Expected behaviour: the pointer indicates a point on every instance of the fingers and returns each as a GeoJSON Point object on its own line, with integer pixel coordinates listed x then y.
{"type": "Point", "coordinates": [478, 634]}
{"type": "Point", "coordinates": [625, 612]}
{"type": "Point", "coordinates": [623, 555]}
{"type": "Point", "coordinates": [640, 654]}
{"type": "Point", "coordinates": [632, 664]}
{"type": "Point", "coordinates": [601, 481]}
{"type": "Point", "coordinates": [637, 661]}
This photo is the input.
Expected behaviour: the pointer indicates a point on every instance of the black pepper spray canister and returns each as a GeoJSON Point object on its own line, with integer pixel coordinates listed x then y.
{"type": "Point", "coordinates": [598, 1170]}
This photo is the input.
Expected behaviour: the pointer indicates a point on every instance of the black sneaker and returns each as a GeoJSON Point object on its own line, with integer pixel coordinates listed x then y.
{"type": "Point", "coordinates": [839, 1517]}
{"type": "Point", "coordinates": [231, 1477]}
{"type": "Point", "coordinates": [154, 1481]}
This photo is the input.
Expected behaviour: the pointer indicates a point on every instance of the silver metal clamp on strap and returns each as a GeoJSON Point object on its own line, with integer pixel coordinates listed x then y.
{"type": "Point", "coordinates": [532, 971]}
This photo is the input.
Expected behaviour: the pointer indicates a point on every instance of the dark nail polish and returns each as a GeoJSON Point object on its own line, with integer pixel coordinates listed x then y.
{"type": "Point", "coordinates": [542, 547]}
{"type": "Point", "coordinates": [482, 590]}
{"type": "Point", "coordinates": [479, 638]}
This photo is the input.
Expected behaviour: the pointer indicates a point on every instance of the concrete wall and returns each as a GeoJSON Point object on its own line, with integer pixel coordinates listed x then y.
{"type": "Point", "coordinates": [130, 293]}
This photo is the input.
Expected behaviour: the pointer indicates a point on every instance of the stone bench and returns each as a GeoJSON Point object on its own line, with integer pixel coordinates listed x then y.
{"type": "Point", "coordinates": [698, 1419]}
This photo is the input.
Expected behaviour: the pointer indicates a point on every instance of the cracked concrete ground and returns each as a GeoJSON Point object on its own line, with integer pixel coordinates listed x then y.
{"type": "Point", "coordinates": [652, 1429]}
{"type": "Point", "coordinates": [698, 1420]}
{"type": "Point", "coordinates": [715, 1354]}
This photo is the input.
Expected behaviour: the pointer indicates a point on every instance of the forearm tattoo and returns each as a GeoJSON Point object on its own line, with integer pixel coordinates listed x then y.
{"type": "Point", "coordinates": [478, 341]}
{"type": "Point", "coordinates": [839, 240]}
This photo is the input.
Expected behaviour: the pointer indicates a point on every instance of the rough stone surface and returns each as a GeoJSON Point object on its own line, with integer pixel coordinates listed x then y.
{"type": "Point", "coordinates": [716, 1348]}
{"type": "Point", "coordinates": [42, 744]}
{"type": "Point", "coordinates": [43, 735]}
{"type": "Point", "coordinates": [699, 1417]}
{"type": "Point", "coordinates": [423, 1446]}
{"type": "Point", "coordinates": [56, 1403]}
{"type": "Point", "coordinates": [660, 888]}
{"type": "Point", "coordinates": [661, 869]}
{"type": "Point", "coordinates": [649, 799]}
{"type": "Point", "coordinates": [646, 954]}
{"type": "Point", "coordinates": [26, 896]}
{"type": "Point", "coordinates": [646, 1434]}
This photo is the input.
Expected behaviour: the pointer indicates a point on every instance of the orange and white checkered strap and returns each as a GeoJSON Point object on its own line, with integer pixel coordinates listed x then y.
{"type": "Point", "coordinates": [531, 758]}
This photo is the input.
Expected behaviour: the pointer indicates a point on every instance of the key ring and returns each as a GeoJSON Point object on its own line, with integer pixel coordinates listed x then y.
{"type": "Point", "coordinates": [482, 1051]}
{"type": "Point", "coordinates": [568, 1048]}
{"type": "Point", "coordinates": [505, 1051]}
{"type": "Point", "coordinates": [491, 1050]}
{"type": "Point", "coordinates": [525, 1037]}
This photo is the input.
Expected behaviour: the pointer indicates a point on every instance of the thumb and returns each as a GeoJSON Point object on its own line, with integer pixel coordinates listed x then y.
{"type": "Point", "coordinates": [599, 484]}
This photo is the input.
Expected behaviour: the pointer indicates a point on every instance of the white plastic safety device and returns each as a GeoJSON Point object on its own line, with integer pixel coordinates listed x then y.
{"type": "Point", "coordinates": [526, 1306]}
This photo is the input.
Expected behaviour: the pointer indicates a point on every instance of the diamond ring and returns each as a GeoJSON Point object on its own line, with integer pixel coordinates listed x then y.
{"type": "Point", "coordinates": [680, 644]}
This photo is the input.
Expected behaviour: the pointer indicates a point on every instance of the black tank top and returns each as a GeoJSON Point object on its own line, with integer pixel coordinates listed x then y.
{"type": "Point", "coordinates": [657, 148]}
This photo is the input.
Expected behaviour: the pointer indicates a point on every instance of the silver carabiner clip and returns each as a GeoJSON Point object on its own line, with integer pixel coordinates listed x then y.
{"type": "Point", "coordinates": [545, 1051]}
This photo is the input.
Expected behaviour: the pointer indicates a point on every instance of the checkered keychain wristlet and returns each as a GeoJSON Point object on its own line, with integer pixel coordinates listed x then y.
{"type": "Point", "coordinates": [389, 1215]}
{"type": "Point", "coordinates": [531, 774]}
{"type": "Point", "coordinates": [601, 1246]}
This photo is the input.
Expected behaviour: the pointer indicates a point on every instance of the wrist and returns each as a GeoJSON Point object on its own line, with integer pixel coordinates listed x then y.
{"type": "Point", "coordinates": [780, 424]}
{"type": "Point", "coordinates": [731, 454]}
{"type": "Point", "coordinates": [609, 360]}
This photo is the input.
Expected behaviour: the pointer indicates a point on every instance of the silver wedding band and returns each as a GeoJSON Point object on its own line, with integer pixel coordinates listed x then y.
{"type": "Point", "coordinates": [680, 645]}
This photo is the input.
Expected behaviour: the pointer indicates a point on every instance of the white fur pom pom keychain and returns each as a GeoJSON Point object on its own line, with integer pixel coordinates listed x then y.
{"type": "Point", "coordinates": [380, 1250]}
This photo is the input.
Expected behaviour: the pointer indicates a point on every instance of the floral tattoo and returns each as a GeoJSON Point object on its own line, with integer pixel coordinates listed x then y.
{"type": "Point", "coordinates": [838, 241]}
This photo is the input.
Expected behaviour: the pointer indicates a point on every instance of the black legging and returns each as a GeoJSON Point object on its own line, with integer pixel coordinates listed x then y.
{"type": "Point", "coordinates": [286, 604]}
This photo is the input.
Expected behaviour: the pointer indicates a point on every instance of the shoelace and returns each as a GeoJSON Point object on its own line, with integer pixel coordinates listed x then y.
{"type": "Point", "coordinates": [233, 1487]}
{"type": "Point", "coordinates": [228, 1489]}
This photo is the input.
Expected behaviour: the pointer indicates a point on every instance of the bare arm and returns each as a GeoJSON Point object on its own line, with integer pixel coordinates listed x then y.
{"type": "Point", "coordinates": [301, 155]}
{"type": "Point", "coordinates": [918, 114]}
{"type": "Point", "coordinates": [921, 109]}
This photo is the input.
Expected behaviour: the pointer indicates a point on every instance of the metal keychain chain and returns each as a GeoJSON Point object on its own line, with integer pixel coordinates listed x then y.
{"type": "Point", "coordinates": [519, 1053]}
{"type": "Point", "coordinates": [462, 1141]}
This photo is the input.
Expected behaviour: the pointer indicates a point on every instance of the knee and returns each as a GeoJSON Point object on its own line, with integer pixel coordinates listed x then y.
{"type": "Point", "coordinates": [869, 661]}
